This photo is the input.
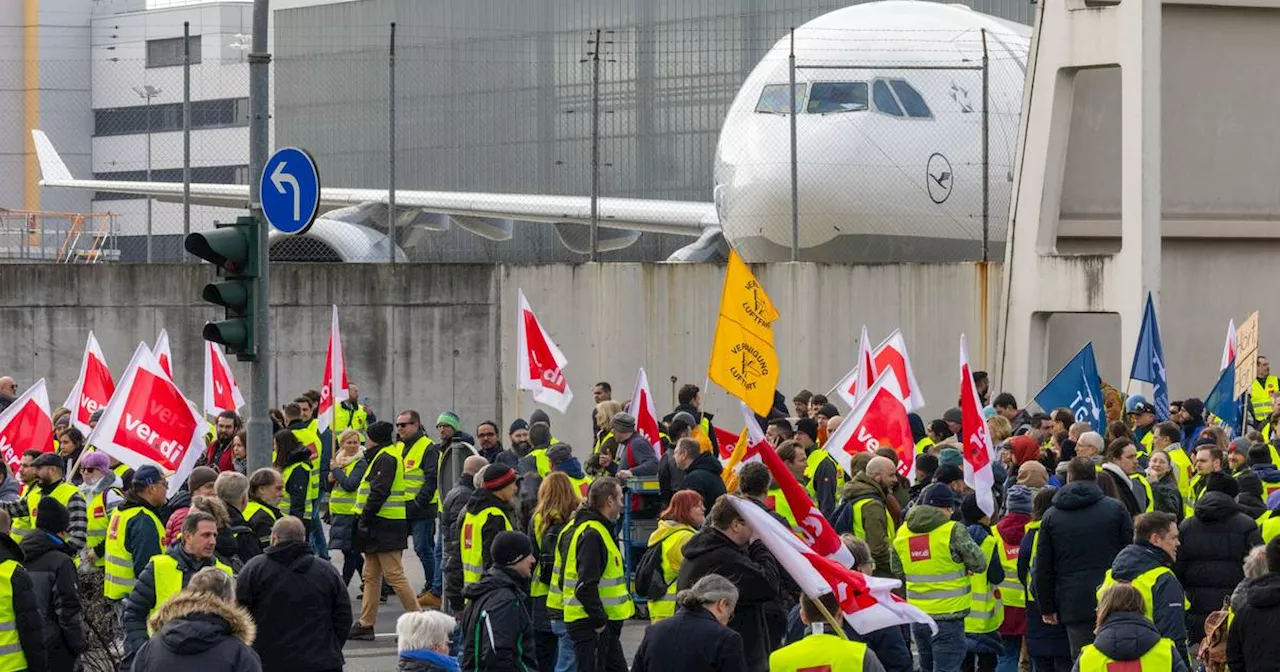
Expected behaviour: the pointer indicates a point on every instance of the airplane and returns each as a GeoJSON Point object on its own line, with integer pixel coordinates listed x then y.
{"type": "Point", "coordinates": [888, 156]}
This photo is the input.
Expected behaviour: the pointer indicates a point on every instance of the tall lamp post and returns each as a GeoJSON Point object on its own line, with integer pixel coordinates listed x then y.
{"type": "Point", "coordinates": [147, 92]}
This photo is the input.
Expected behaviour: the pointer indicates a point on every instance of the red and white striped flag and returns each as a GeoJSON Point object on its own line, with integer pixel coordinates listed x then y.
{"type": "Point", "coordinates": [94, 387]}
{"type": "Point", "coordinates": [646, 414]}
{"type": "Point", "coordinates": [866, 602]}
{"type": "Point", "coordinates": [977, 448]}
{"type": "Point", "coordinates": [220, 390]}
{"type": "Point", "coordinates": [539, 363]}
{"type": "Point", "coordinates": [879, 419]}
{"type": "Point", "coordinates": [333, 389]}
{"type": "Point", "coordinates": [859, 380]}
{"type": "Point", "coordinates": [1229, 348]}
{"type": "Point", "coordinates": [162, 354]}
{"type": "Point", "coordinates": [891, 355]}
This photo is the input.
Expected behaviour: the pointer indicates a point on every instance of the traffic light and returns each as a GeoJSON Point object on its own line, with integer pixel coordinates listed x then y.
{"type": "Point", "coordinates": [233, 248]}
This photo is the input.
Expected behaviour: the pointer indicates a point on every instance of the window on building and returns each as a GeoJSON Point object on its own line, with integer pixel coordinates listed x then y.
{"type": "Point", "coordinates": [828, 97]}
{"type": "Point", "coordinates": [774, 97]}
{"type": "Point", "coordinates": [160, 117]}
{"type": "Point", "coordinates": [168, 52]}
{"type": "Point", "coordinates": [199, 174]}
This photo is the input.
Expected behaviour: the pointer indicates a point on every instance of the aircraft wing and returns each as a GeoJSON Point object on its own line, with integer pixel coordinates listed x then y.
{"type": "Point", "coordinates": [686, 218]}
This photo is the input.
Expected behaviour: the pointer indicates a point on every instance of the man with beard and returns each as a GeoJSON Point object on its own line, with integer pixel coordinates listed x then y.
{"type": "Point", "coordinates": [487, 441]}
{"type": "Point", "coordinates": [219, 455]}
{"type": "Point", "coordinates": [518, 445]}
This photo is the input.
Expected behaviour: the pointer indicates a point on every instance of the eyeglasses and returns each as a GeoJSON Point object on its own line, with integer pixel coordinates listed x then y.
{"type": "Point", "coordinates": [404, 424]}
{"type": "Point", "coordinates": [89, 470]}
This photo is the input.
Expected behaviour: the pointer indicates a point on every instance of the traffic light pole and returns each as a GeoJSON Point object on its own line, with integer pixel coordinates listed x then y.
{"type": "Point", "coordinates": [259, 426]}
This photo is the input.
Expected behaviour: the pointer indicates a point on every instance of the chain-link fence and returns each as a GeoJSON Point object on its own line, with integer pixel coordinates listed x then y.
{"type": "Point", "coordinates": [644, 110]}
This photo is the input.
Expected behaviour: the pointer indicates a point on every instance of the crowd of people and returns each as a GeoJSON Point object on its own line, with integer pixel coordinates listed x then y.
{"type": "Point", "coordinates": [1145, 542]}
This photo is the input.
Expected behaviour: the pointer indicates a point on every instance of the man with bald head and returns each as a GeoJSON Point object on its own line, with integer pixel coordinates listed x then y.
{"type": "Point", "coordinates": [299, 602]}
{"type": "Point", "coordinates": [8, 392]}
{"type": "Point", "coordinates": [864, 511]}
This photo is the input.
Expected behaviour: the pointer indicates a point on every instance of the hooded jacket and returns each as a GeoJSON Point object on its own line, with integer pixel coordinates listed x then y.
{"type": "Point", "coordinates": [373, 533]}
{"type": "Point", "coordinates": [703, 477]}
{"type": "Point", "coordinates": [1129, 636]}
{"type": "Point", "coordinates": [1069, 572]}
{"type": "Point", "coordinates": [1012, 528]}
{"type": "Point", "coordinates": [426, 660]}
{"type": "Point", "coordinates": [874, 517]}
{"type": "Point", "coordinates": [1123, 487]}
{"type": "Point", "coordinates": [1166, 596]}
{"type": "Point", "coordinates": [752, 569]}
{"type": "Point", "coordinates": [479, 500]}
{"type": "Point", "coordinates": [922, 519]}
{"type": "Point", "coordinates": [665, 645]}
{"type": "Point", "coordinates": [53, 580]}
{"type": "Point", "coordinates": [1251, 643]}
{"type": "Point", "coordinates": [454, 504]}
{"type": "Point", "coordinates": [1210, 560]}
{"type": "Point", "coordinates": [197, 632]}
{"type": "Point", "coordinates": [140, 602]}
{"type": "Point", "coordinates": [301, 606]}
{"type": "Point", "coordinates": [1250, 497]}
{"type": "Point", "coordinates": [571, 468]}
{"type": "Point", "coordinates": [497, 626]}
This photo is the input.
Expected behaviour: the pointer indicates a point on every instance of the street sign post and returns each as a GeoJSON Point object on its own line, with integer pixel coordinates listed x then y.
{"type": "Point", "coordinates": [290, 189]}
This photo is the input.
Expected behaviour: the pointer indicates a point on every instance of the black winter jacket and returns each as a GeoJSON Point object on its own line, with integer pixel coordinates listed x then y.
{"type": "Point", "coordinates": [1123, 487]}
{"type": "Point", "coordinates": [1043, 640]}
{"type": "Point", "coordinates": [703, 477]}
{"type": "Point", "coordinates": [1166, 597]}
{"type": "Point", "coordinates": [241, 536]}
{"type": "Point", "coordinates": [666, 645]}
{"type": "Point", "coordinates": [1069, 572]}
{"type": "Point", "coordinates": [374, 534]}
{"type": "Point", "coordinates": [497, 626]}
{"type": "Point", "coordinates": [1210, 560]}
{"type": "Point", "coordinates": [301, 607]}
{"type": "Point", "coordinates": [455, 503]}
{"type": "Point", "coordinates": [53, 579]}
{"type": "Point", "coordinates": [752, 569]}
{"type": "Point", "coordinates": [296, 485]}
{"type": "Point", "coordinates": [140, 602]}
{"type": "Point", "coordinates": [1251, 643]}
{"type": "Point", "coordinates": [261, 523]}
{"type": "Point", "coordinates": [1129, 636]}
{"type": "Point", "coordinates": [26, 608]}
{"type": "Point", "coordinates": [197, 632]}
{"type": "Point", "coordinates": [421, 506]}
{"type": "Point", "coordinates": [479, 500]}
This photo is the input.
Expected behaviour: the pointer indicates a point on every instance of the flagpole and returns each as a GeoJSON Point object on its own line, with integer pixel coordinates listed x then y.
{"type": "Point", "coordinates": [829, 618]}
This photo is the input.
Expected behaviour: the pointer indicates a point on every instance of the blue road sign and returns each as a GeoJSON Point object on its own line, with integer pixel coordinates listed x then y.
{"type": "Point", "coordinates": [290, 188]}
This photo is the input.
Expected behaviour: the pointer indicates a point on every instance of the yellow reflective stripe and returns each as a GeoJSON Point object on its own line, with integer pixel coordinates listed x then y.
{"type": "Point", "coordinates": [120, 581]}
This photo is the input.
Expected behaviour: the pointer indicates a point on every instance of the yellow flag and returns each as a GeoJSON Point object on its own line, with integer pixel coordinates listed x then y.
{"type": "Point", "coordinates": [729, 474]}
{"type": "Point", "coordinates": [743, 359]}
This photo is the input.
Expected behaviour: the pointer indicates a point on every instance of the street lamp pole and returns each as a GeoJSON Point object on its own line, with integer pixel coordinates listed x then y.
{"type": "Point", "coordinates": [147, 92]}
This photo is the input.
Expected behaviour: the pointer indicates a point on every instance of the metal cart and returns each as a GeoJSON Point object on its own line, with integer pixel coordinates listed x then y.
{"type": "Point", "coordinates": [634, 531]}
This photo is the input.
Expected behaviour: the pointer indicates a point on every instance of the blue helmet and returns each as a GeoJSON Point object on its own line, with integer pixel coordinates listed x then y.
{"type": "Point", "coordinates": [1138, 404]}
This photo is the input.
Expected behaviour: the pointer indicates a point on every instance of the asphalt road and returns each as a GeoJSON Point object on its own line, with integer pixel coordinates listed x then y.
{"type": "Point", "coordinates": [380, 655]}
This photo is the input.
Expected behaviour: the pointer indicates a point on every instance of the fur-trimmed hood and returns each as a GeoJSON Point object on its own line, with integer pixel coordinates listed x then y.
{"type": "Point", "coordinates": [214, 507]}
{"type": "Point", "coordinates": [191, 616]}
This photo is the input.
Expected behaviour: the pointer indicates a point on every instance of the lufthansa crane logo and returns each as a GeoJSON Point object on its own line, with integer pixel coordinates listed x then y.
{"type": "Point", "coordinates": [938, 178]}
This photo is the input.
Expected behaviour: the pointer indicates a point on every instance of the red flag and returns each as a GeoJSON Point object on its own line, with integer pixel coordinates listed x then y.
{"type": "Point", "coordinates": [878, 420]}
{"type": "Point", "coordinates": [726, 440]}
{"type": "Point", "coordinates": [220, 390]}
{"type": "Point", "coordinates": [646, 416]}
{"type": "Point", "coordinates": [1229, 347]}
{"type": "Point", "coordinates": [539, 363]}
{"type": "Point", "coordinates": [93, 388]}
{"type": "Point", "coordinates": [859, 380]}
{"type": "Point", "coordinates": [161, 351]}
{"type": "Point", "coordinates": [977, 449]}
{"type": "Point", "coordinates": [866, 602]}
{"type": "Point", "coordinates": [333, 389]}
{"type": "Point", "coordinates": [148, 421]}
{"type": "Point", "coordinates": [25, 425]}
{"type": "Point", "coordinates": [892, 355]}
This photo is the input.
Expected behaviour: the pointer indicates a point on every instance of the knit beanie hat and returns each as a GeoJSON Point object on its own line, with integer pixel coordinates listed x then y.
{"type": "Point", "coordinates": [510, 547]}
{"type": "Point", "coordinates": [950, 457]}
{"type": "Point", "coordinates": [1019, 499]}
{"type": "Point", "coordinates": [200, 477]}
{"type": "Point", "coordinates": [1033, 475]}
{"type": "Point", "coordinates": [970, 511]}
{"type": "Point", "coordinates": [517, 425]}
{"type": "Point", "coordinates": [382, 433]}
{"type": "Point", "coordinates": [52, 516]}
{"type": "Point", "coordinates": [498, 476]}
{"type": "Point", "coordinates": [539, 415]}
{"type": "Point", "coordinates": [451, 419]}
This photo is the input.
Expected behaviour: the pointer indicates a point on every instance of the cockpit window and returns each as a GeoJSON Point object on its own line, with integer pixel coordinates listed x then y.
{"type": "Point", "coordinates": [885, 102]}
{"type": "Point", "coordinates": [773, 99]}
{"type": "Point", "coordinates": [827, 97]}
{"type": "Point", "coordinates": [911, 99]}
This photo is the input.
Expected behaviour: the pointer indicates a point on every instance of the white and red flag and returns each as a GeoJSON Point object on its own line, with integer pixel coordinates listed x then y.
{"type": "Point", "coordinates": [220, 390]}
{"type": "Point", "coordinates": [891, 355]}
{"type": "Point", "coordinates": [866, 602]}
{"type": "Point", "coordinates": [539, 363]}
{"type": "Point", "coordinates": [333, 388]}
{"type": "Point", "coordinates": [1229, 348]}
{"type": "Point", "coordinates": [149, 421]}
{"type": "Point", "coordinates": [859, 380]}
{"type": "Point", "coordinates": [93, 388]}
{"type": "Point", "coordinates": [878, 420]}
{"type": "Point", "coordinates": [162, 353]}
{"type": "Point", "coordinates": [26, 425]}
{"type": "Point", "coordinates": [645, 413]}
{"type": "Point", "coordinates": [976, 447]}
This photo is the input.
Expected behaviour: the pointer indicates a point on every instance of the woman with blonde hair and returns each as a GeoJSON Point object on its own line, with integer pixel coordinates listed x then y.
{"type": "Point", "coordinates": [1125, 634]}
{"type": "Point", "coordinates": [605, 411]}
{"type": "Point", "coordinates": [346, 472]}
{"type": "Point", "coordinates": [999, 428]}
{"type": "Point", "coordinates": [557, 500]}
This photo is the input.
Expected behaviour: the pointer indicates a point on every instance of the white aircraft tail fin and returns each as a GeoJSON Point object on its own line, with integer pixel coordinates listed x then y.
{"type": "Point", "coordinates": [52, 169]}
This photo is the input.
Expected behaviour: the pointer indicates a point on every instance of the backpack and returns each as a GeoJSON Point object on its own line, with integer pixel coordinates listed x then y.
{"type": "Point", "coordinates": [649, 580]}
{"type": "Point", "coordinates": [1213, 648]}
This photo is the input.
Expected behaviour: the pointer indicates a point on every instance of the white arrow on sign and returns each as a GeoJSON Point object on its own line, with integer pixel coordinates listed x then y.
{"type": "Point", "coordinates": [279, 178]}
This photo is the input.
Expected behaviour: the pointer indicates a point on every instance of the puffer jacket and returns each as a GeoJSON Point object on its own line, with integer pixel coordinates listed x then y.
{"type": "Point", "coordinates": [497, 626]}
{"type": "Point", "coordinates": [53, 580]}
{"type": "Point", "coordinates": [1210, 560]}
{"type": "Point", "coordinates": [426, 660]}
{"type": "Point", "coordinates": [1166, 596]}
{"type": "Point", "coordinates": [1251, 643]}
{"type": "Point", "coordinates": [1129, 636]}
{"type": "Point", "coordinates": [1068, 572]}
{"type": "Point", "coordinates": [197, 632]}
{"type": "Point", "coordinates": [143, 597]}
{"type": "Point", "coordinates": [455, 503]}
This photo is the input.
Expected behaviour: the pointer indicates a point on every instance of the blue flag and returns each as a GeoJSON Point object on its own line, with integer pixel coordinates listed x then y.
{"type": "Point", "coordinates": [1221, 401]}
{"type": "Point", "coordinates": [1077, 387]}
{"type": "Point", "coordinates": [1148, 361]}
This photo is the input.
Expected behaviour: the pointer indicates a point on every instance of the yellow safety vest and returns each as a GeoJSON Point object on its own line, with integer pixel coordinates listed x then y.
{"type": "Point", "coordinates": [414, 476]}
{"type": "Point", "coordinates": [665, 607]}
{"type": "Point", "coordinates": [344, 420]}
{"type": "Point", "coordinates": [286, 500]}
{"type": "Point", "coordinates": [777, 501]}
{"type": "Point", "coordinates": [170, 580]}
{"type": "Point", "coordinates": [1033, 526]}
{"type": "Point", "coordinates": [581, 485]}
{"type": "Point", "coordinates": [1269, 488]}
{"type": "Point", "coordinates": [600, 442]}
{"type": "Point", "coordinates": [613, 582]}
{"type": "Point", "coordinates": [541, 460]}
{"type": "Point", "coordinates": [859, 523]}
{"type": "Point", "coordinates": [120, 470]}
{"type": "Point", "coordinates": [343, 502]}
{"type": "Point", "coordinates": [1261, 397]}
{"type": "Point", "coordinates": [923, 445]}
{"type": "Point", "coordinates": [1146, 584]}
{"type": "Point", "coordinates": [537, 588]}
{"type": "Point", "coordinates": [816, 458]}
{"type": "Point", "coordinates": [98, 519]}
{"type": "Point", "coordinates": [62, 494]}
{"type": "Point", "coordinates": [555, 593]}
{"type": "Point", "coordinates": [825, 652]}
{"type": "Point", "coordinates": [987, 610]}
{"type": "Point", "coordinates": [12, 659]}
{"type": "Point", "coordinates": [1158, 659]}
{"type": "Point", "coordinates": [252, 510]}
{"type": "Point", "coordinates": [119, 579]}
{"type": "Point", "coordinates": [1270, 528]}
{"type": "Point", "coordinates": [1012, 592]}
{"type": "Point", "coordinates": [473, 543]}
{"type": "Point", "coordinates": [935, 583]}
{"type": "Point", "coordinates": [1141, 480]}
{"type": "Point", "coordinates": [1147, 442]}
{"type": "Point", "coordinates": [393, 508]}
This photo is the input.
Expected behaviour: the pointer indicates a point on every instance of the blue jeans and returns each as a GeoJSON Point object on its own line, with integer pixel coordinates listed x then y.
{"type": "Point", "coordinates": [424, 532]}
{"type": "Point", "coordinates": [566, 661]}
{"type": "Point", "coordinates": [318, 543]}
{"type": "Point", "coordinates": [436, 579]}
{"type": "Point", "coordinates": [943, 652]}
{"type": "Point", "coordinates": [1007, 661]}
